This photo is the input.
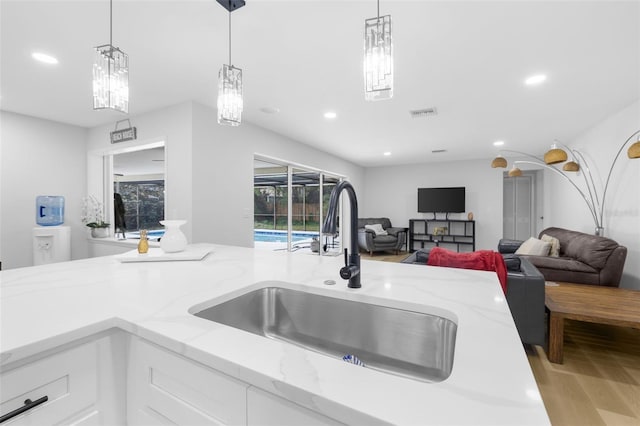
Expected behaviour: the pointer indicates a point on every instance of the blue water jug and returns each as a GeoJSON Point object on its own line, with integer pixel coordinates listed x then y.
{"type": "Point", "coordinates": [49, 210]}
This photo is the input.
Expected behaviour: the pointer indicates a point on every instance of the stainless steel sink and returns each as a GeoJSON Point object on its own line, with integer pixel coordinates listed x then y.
{"type": "Point", "coordinates": [406, 343]}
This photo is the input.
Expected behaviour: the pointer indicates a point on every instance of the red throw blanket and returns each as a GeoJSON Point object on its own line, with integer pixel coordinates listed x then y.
{"type": "Point", "coordinates": [481, 260]}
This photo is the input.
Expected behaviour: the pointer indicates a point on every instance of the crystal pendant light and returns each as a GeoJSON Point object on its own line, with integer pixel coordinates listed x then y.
{"type": "Point", "coordinates": [230, 102]}
{"type": "Point", "coordinates": [110, 74]}
{"type": "Point", "coordinates": [378, 58]}
{"type": "Point", "coordinates": [230, 95]}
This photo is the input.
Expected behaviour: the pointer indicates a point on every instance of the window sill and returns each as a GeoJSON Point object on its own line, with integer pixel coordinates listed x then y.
{"type": "Point", "coordinates": [113, 241]}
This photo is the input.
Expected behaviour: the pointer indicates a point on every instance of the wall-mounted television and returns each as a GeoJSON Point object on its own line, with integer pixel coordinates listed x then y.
{"type": "Point", "coordinates": [441, 200]}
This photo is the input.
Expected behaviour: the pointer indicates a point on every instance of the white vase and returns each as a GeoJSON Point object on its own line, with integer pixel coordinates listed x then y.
{"type": "Point", "coordinates": [173, 239]}
{"type": "Point", "coordinates": [99, 232]}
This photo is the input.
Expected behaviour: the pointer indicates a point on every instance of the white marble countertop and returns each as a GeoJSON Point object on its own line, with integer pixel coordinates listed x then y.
{"type": "Point", "coordinates": [491, 382]}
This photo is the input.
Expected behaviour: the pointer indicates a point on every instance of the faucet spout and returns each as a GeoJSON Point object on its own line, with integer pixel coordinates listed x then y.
{"type": "Point", "coordinates": [351, 270]}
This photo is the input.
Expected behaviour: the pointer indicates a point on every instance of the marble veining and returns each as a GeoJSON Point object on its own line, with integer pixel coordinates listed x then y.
{"type": "Point", "coordinates": [47, 306]}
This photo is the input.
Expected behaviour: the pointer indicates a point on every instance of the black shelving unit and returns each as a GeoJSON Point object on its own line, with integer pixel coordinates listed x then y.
{"type": "Point", "coordinates": [453, 234]}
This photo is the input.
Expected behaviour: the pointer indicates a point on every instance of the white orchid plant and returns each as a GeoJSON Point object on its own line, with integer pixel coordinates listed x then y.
{"type": "Point", "coordinates": [93, 213]}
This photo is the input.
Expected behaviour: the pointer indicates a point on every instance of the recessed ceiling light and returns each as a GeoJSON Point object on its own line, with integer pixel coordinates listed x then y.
{"type": "Point", "coordinates": [535, 79]}
{"type": "Point", "coordinates": [43, 57]}
{"type": "Point", "coordinates": [498, 143]}
{"type": "Point", "coordinates": [330, 115]}
{"type": "Point", "coordinates": [270, 110]}
{"type": "Point", "coordinates": [386, 154]}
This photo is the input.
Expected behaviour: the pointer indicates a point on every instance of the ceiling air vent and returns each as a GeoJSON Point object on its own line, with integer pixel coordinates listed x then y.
{"type": "Point", "coordinates": [438, 151]}
{"type": "Point", "coordinates": [423, 113]}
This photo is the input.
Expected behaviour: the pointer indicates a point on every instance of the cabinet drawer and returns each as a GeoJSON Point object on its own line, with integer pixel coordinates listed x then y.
{"type": "Point", "coordinates": [166, 388]}
{"type": "Point", "coordinates": [68, 379]}
{"type": "Point", "coordinates": [266, 409]}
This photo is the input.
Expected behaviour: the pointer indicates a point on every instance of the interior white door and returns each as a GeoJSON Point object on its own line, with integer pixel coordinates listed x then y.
{"type": "Point", "coordinates": [518, 207]}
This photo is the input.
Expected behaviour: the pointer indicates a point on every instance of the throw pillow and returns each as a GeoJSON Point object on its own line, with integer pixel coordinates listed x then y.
{"type": "Point", "coordinates": [555, 245]}
{"type": "Point", "coordinates": [534, 247]}
{"type": "Point", "coordinates": [377, 228]}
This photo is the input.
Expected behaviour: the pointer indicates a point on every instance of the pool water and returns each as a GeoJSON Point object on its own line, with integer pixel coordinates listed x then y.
{"type": "Point", "coordinates": [262, 235]}
{"type": "Point", "coordinates": [269, 236]}
{"type": "Point", "coordinates": [153, 234]}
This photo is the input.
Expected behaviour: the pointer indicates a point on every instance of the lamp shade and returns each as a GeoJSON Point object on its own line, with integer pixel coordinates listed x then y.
{"type": "Point", "coordinates": [554, 156]}
{"type": "Point", "coordinates": [571, 166]}
{"type": "Point", "coordinates": [634, 150]}
{"type": "Point", "coordinates": [499, 161]}
{"type": "Point", "coordinates": [515, 172]}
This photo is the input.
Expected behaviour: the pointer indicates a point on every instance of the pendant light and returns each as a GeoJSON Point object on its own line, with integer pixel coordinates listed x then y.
{"type": "Point", "coordinates": [230, 102]}
{"type": "Point", "coordinates": [111, 74]}
{"type": "Point", "coordinates": [378, 58]}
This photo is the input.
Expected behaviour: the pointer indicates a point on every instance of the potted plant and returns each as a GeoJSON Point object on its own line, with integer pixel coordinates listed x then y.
{"type": "Point", "coordinates": [93, 217]}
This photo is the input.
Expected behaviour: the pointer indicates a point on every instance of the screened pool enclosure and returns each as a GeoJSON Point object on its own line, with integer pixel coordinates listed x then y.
{"type": "Point", "coordinates": [291, 202]}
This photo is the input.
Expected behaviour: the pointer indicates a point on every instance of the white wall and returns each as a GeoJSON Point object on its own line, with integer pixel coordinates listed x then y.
{"type": "Point", "coordinates": [209, 168]}
{"type": "Point", "coordinates": [223, 174]}
{"type": "Point", "coordinates": [174, 126]}
{"type": "Point", "coordinates": [622, 209]}
{"type": "Point", "coordinates": [392, 192]}
{"type": "Point", "coordinates": [38, 157]}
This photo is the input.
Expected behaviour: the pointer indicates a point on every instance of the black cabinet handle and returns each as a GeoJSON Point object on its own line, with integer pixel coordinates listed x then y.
{"type": "Point", "coordinates": [28, 405]}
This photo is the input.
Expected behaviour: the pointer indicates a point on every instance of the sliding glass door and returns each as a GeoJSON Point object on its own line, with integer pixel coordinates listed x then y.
{"type": "Point", "coordinates": [290, 203]}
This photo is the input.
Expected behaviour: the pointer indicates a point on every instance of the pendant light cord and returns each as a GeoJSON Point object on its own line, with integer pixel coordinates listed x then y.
{"type": "Point", "coordinates": [111, 23]}
{"type": "Point", "coordinates": [378, 10]}
{"type": "Point", "coordinates": [230, 39]}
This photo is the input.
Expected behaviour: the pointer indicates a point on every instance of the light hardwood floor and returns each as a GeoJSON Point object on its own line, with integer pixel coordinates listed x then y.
{"type": "Point", "coordinates": [599, 381]}
{"type": "Point", "coordinates": [385, 256]}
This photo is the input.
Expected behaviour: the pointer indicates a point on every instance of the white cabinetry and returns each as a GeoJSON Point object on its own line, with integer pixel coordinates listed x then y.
{"type": "Point", "coordinates": [71, 379]}
{"type": "Point", "coordinates": [267, 409]}
{"type": "Point", "coordinates": [118, 379]}
{"type": "Point", "coordinates": [166, 388]}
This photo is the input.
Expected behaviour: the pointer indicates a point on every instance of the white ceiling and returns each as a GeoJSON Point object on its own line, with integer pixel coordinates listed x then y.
{"type": "Point", "coordinates": [143, 162]}
{"type": "Point", "coordinates": [466, 58]}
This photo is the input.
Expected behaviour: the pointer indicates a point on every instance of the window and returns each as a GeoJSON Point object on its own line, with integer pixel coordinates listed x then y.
{"type": "Point", "coordinates": [143, 203]}
{"type": "Point", "coordinates": [138, 190]}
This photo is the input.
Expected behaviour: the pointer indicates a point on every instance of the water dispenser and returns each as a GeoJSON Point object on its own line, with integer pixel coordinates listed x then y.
{"type": "Point", "coordinates": [49, 210]}
{"type": "Point", "coordinates": [51, 244]}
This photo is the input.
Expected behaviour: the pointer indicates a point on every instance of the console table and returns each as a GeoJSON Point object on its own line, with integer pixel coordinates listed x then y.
{"type": "Point", "coordinates": [589, 303]}
{"type": "Point", "coordinates": [456, 234]}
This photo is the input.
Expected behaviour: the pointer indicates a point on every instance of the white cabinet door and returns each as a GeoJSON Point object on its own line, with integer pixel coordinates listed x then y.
{"type": "Point", "coordinates": [266, 409]}
{"type": "Point", "coordinates": [69, 379]}
{"type": "Point", "coordinates": [166, 388]}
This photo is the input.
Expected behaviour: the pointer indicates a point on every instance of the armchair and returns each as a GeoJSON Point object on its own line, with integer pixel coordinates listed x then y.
{"type": "Point", "coordinates": [369, 241]}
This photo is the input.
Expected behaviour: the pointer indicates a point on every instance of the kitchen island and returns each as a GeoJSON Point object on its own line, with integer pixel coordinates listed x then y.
{"type": "Point", "coordinates": [148, 306]}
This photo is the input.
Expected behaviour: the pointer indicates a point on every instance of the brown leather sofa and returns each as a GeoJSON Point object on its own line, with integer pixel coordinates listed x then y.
{"type": "Point", "coordinates": [584, 258]}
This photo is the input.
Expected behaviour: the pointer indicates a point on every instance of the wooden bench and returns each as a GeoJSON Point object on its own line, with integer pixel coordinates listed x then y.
{"type": "Point", "coordinates": [589, 303]}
